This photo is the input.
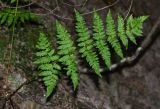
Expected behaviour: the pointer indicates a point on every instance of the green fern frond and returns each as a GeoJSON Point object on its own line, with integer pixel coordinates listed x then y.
{"type": "Point", "coordinates": [99, 36]}
{"type": "Point", "coordinates": [112, 37]}
{"type": "Point", "coordinates": [121, 31]}
{"type": "Point", "coordinates": [86, 43]}
{"type": "Point", "coordinates": [8, 17]}
{"type": "Point", "coordinates": [46, 61]}
{"type": "Point", "coordinates": [67, 52]}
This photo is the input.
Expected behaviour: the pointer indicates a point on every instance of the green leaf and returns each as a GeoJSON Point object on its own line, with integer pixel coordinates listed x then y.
{"type": "Point", "coordinates": [99, 36]}
{"type": "Point", "coordinates": [86, 43]}
{"type": "Point", "coordinates": [10, 20]}
{"type": "Point", "coordinates": [4, 18]}
{"type": "Point", "coordinates": [13, 1]}
{"type": "Point", "coordinates": [47, 63]}
{"type": "Point", "coordinates": [67, 52]}
{"type": "Point", "coordinates": [121, 31]}
{"type": "Point", "coordinates": [112, 37]}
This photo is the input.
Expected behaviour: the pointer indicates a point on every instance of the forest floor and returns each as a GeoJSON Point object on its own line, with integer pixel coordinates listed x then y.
{"type": "Point", "coordinates": [136, 86]}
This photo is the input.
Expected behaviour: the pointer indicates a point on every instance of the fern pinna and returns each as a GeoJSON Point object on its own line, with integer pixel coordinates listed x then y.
{"type": "Point", "coordinates": [47, 63]}
{"type": "Point", "coordinates": [100, 37]}
{"type": "Point", "coordinates": [86, 43]}
{"type": "Point", "coordinates": [67, 53]}
{"type": "Point", "coordinates": [112, 36]}
{"type": "Point", "coordinates": [121, 31]}
{"type": "Point", "coordinates": [8, 17]}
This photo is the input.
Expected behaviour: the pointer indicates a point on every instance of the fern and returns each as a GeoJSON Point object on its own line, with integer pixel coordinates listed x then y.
{"type": "Point", "coordinates": [47, 63]}
{"type": "Point", "coordinates": [99, 36]}
{"type": "Point", "coordinates": [67, 53]}
{"type": "Point", "coordinates": [121, 31]}
{"type": "Point", "coordinates": [129, 30]}
{"type": "Point", "coordinates": [111, 33]}
{"type": "Point", "coordinates": [86, 43]}
{"type": "Point", "coordinates": [8, 17]}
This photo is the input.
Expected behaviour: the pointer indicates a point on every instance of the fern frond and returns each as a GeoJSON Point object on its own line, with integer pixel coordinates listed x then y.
{"type": "Point", "coordinates": [112, 37]}
{"type": "Point", "coordinates": [99, 36]}
{"type": "Point", "coordinates": [46, 60]}
{"type": "Point", "coordinates": [67, 52]}
{"type": "Point", "coordinates": [86, 43]}
{"type": "Point", "coordinates": [7, 17]}
{"type": "Point", "coordinates": [121, 31]}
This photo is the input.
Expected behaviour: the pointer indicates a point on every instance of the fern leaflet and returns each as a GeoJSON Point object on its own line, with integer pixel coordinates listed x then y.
{"type": "Point", "coordinates": [86, 43]}
{"type": "Point", "coordinates": [67, 53]}
{"type": "Point", "coordinates": [129, 29]}
{"type": "Point", "coordinates": [121, 31]}
{"type": "Point", "coordinates": [99, 36]}
{"type": "Point", "coordinates": [47, 63]}
{"type": "Point", "coordinates": [7, 17]}
{"type": "Point", "coordinates": [111, 33]}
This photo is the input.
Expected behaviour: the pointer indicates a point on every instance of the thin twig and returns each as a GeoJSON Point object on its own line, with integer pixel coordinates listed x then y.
{"type": "Point", "coordinates": [130, 7]}
{"type": "Point", "coordinates": [23, 6]}
{"type": "Point", "coordinates": [52, 12]}
{"type": "Point", "coordinates": [62, 1]}
{"type": "Point", "coordinates": [100, 9]}
{"type": "Point", "coordinates": [85, 3]}
{"type": "Point", "coordinates": [66, 18]}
